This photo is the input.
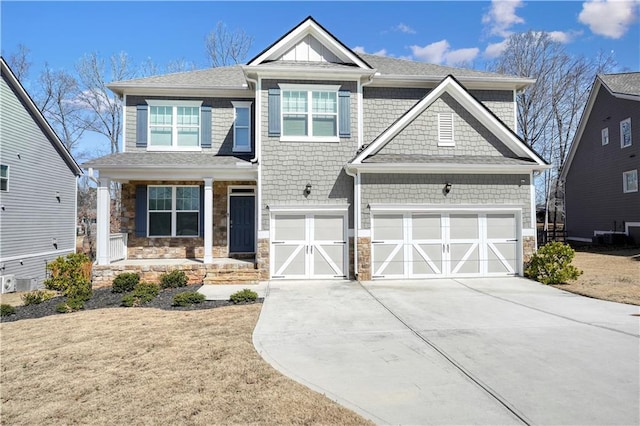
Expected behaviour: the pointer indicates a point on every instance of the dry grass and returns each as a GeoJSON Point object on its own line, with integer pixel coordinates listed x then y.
{"type": "Point", "coordinates": [608, 275]}
{"type": "Point", "coordinates": [148, 366]}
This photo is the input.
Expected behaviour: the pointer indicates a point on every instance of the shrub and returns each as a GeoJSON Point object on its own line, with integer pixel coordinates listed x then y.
{"type": "Point", "coordinates": [6, 310]}
{"type": "Point", "coordinates": [243, 296]}
{"type": "Point", "coordinates": [173, 279]}
{"type": "Point", "coordinates": [551, 264]}
{"type": "Point", "coordinates": [125, 282]}
{"type": "Point", "coordinates": [72, 304]}
{"type": "Point", "coordinates": [188, 298]}
{"type": "Point", "coordinates": [71, 276]}
{"type": "Point", "coordinates": [141, 294]}
{"type": "Point", "coordinates": [36, 297]}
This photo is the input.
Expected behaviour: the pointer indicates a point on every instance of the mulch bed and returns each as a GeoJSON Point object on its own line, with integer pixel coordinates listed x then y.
{"type": "Point", "coordinates": [104, 298]}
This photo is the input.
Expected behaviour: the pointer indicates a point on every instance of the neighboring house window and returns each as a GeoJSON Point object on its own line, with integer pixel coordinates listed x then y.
{"type": "Point", "coordinates": [310, 112]}
{"type": "Point", "coordinates": [605, 136]}
{"type": "Point", "coordinates": [630, 181]}
{"type": "Point", "coordinates": [174, 124]}
{"type": "Point", "coordinates": [625, 133]}
{"type": "Point", "coordinates": [174, 211]}
{"type": "Point", "coordinates": [4, 177]}
{"type": "Point", "coordinates": [445, 130]}
{"type": "Point", "coordinates": [242, 127]}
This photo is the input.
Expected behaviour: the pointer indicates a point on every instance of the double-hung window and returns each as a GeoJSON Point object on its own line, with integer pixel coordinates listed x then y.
{"type": "Point", "coordinates": [605, 136]}
{"type": "Point", "coordinates": [174, 211]}
{"type": "Point", "coordinates": [242, 126]}
{"type": "Point", "coordinates": [174, 124]}
{"type": "Point", "coordinates": [309, 112]}
{"type": "Point", "coordinates": [4, 177]}
{"type": "Point", "coordinates": [630, 181]}
{"type": "Point", "coordinates": [625, 133]}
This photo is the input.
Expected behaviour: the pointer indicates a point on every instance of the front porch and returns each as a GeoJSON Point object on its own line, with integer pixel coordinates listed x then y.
{"type": "Point", "coordinates": [218, 271]}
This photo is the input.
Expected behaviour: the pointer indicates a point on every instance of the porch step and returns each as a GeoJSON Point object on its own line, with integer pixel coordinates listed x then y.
{"type": "Point", "coordinates": [232, 276]}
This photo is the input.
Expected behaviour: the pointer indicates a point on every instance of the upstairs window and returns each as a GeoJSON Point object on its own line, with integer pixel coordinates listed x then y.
{"type": "Point", "coordinates": [625, 133]}
{"type": "Point", "coordinates": [4, 177]}
{"type": "Point", "coordinates": [605, 136]}
{"type": "Point", "coordinates": [445, 130]}
{"type": "Point", "coordinates": [174, 211]}
{"type": "Point", "coordinates": [242, 126]}
{"type": "Point", "coordinates": [630, 181]}
{"type": "Point", "coordinates": [310, 112]}
{"type": "Point", "coordinates": [174, 124]}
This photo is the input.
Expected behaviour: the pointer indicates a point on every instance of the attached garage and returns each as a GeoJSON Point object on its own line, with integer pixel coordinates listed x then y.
{"type": "Point", "coordinates": [429, 244]}
{"type": "Point", "coordinates": [309, 244]}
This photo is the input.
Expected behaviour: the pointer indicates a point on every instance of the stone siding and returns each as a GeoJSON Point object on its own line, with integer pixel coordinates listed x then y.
{"type": "Point", "coordinates": [483, 190]}
{"type": "Point", "coordinates": [364, 259]}
{"type": "Point", "coordinates": [528, 248]}
{"type": "Point", "coordinates": [262, 258]}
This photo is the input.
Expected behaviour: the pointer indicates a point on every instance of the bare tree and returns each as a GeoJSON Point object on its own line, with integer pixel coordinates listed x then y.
{"type": "Point", "coordinates": [105, 108]}
{"type": "Point", "coordinates": [19, 62]}
{"type": "Point", "coordinates": [226, 47]}
{"type": "Point", "coordinates": [180, 65]}
{"type": "Point", "coordinates": [58, 101]}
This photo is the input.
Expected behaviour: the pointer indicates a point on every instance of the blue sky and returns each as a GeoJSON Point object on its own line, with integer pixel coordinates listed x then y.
{"type": "Point", "coordinates": [440, 32]}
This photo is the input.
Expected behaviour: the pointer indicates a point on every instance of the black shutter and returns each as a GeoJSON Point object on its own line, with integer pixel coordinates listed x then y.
{"type": "Point", "coordinates": [141, 210]}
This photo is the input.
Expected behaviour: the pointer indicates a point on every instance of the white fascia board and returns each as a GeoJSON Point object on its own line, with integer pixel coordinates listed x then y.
{"type": "Point", "coordinates": [420, 207]}
{"type": "Point", "coordinates": [473, 83]}
{"type": "Point", "coordinates": [292, 73]}
{"type": "Point", "coordinates": [178, 174]}
{"type": "Point", "coordinates": [431, 168]}
{"type": "Point", "coordinates": [183, 91]}
{"type": "Point", "coordinates": [278, 208]}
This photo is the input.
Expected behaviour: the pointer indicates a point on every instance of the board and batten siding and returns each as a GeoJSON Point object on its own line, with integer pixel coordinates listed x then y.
{"type": "Point", "coordinates": [32, 214]}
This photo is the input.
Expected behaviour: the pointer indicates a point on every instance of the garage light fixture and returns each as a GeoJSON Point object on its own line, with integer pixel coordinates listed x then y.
{"type": "Point", "coordinates": [307, 190]}
{"type": "Point", "coordinates": [447, 188]}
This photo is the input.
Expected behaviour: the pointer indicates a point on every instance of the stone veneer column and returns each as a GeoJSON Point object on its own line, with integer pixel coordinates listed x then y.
{"type": "Point", "coordinates": [528, 248]}
{"type": "Point", "coordinates": [364, 259]}
{"type": "Point", "coordinates": [208, 220]}
{"type": "Point", "coordinates": [262, 258]}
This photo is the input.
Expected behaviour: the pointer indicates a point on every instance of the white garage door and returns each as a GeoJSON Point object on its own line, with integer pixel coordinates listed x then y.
{"type": "Point", "coordinates": [423, 245]}
{"type": "Point", "coordinates": [308, 245]}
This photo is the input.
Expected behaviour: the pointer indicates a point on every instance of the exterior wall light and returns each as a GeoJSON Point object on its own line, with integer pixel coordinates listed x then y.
{"type": "Point", "coordinates": [447, 188]}
{"type": "Point", "coordinates": [307, 190]}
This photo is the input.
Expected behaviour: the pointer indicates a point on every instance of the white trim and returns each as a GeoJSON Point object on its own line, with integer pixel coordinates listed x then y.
{"type": "Point", "coordinates": [103, 214]}
{"type": "Point", "coordinates": [515, 111]}
{"type": "Point", "coordinates": [312, 139]}
{"type": "Point", "coordinates": [236, 106]}
{"type": "Point", "coordinates": [174, 211]}
{"type": "Point", "coordinates": [529, 232]}
{"type": "Point", "coordinates": [75, 216]}
{"type": "Point", "coordinates": [44, 253]}
{"type": "Point", "coordinates": [596, 232]}
{"type": "Point", "coordinates": [124, 123]}
{"type": "Point", "coordinates": [174, 103]}
{"type": "Point", "coordinates": [208, 220]}
{"type": "Point", "coordinates": [427, 168]}
{"type": "Point", "coordinates": [604, 136]}
{"type": "Point", "coordinates": [174, 148]}
{"type": "Point", "coordinates": [308, 208]}
{"type": "Point", "coordinates": [446, 119]}
{"type": "Point", "coordinates": [580, 239]}
{"type": "Point", "coordinates": [230, 194]}
{"type": "Point", "coordinates": [8, 180]}
{"type": "Point", "coordinates": [383, 207]}
{"type": "Point", "coordinates": [264, 234]}
{"type": "Point", "coordinates": [364, 233]}
{"type": "Point", "coordinates": [309, 87]}
{"type": "Point", "coordinates": [622, 122]}
{"type": "Point", "coordinates": [628, 225]}
{"type": "Point", "coordinates": [625, 187]}
{"type": "Point", "coordinates": [532, 206]}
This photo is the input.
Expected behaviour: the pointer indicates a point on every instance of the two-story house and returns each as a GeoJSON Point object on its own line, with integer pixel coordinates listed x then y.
{"type": "Point", "coordinates": [38, 181]}
{"type": "Point", "coordinates": [312, 161]}
{"type": "Point", "coordinates": [602, 201]}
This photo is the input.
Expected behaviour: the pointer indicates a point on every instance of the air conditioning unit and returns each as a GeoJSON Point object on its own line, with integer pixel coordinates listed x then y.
{"type": "Point", "coordinates": [8, 283]}
{"type": "Point", "coordinates": [26, 284]}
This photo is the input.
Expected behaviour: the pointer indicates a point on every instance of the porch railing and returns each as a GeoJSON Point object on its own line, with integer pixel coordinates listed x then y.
{"type": "Point", "coordinates": [117, 247]}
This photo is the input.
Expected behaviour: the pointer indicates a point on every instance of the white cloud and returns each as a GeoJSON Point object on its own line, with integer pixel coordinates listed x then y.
{"type": "Point", "coordinates": [381, 52]}
{"type": "Point", "coordinates": [607, 17]}
{"type": "Point", "coordinates": [359, 49]}
{"type": "Point", "coordinates": [494, 50]}
{"type": "Point", "coordinates": [403, 28]}
{"type": "Point", "coordinates": [502, 16]}
{"type": "Point", "coordinates": [563, 37]}
{"type": "Point", "coordinates": [440, 52]}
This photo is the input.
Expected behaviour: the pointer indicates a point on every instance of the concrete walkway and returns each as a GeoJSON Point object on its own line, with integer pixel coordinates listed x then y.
{"type": "Point", "coordinates": [464, 351]}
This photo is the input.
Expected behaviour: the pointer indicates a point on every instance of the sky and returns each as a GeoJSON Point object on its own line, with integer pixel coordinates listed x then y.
{"type": "Point", "coordinates": [449, 33]}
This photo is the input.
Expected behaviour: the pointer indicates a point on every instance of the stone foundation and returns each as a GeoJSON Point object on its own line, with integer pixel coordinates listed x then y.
{"type": "Point", "coordinates": [364, 259]}
{"type": "Point", "coordinates": [528, 248]}
{"type": "Point", "coordinates": [262, 258]}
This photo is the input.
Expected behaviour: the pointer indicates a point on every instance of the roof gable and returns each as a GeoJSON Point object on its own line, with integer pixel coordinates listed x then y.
{"type": "Point", "coordinates": [42, 122]}
{"type": "Point", "coordinates": [309, 42]}
{"type": "Point", "coordinates": [476, 109]}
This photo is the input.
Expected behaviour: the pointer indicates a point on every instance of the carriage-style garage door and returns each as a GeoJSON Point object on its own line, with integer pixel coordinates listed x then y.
{"type": "Point", "coordinates": [309, 245]}
{"type": "Point", "coordinates": [422, 245]}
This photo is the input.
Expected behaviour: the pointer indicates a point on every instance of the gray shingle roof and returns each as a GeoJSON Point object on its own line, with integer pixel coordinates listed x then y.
{"type": "Point", "coordinates": [623, 83]}
{"type": "Point", "coordinates": [231, 77]}
{"type": "Point", "coordinates": [165, 160]}
{"type": "Point", "coordinates": [436, 159]}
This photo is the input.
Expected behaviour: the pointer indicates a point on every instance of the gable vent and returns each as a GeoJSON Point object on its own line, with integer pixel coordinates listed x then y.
{"type": "Point", "coordinates": [445, 129]}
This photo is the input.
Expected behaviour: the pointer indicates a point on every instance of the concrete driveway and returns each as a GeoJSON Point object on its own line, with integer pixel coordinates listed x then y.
{"type": "Point", "coordinates": [457, 351]}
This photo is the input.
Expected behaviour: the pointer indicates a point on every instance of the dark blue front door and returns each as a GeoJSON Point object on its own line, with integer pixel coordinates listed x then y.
{"type": "Point", "coordinates": [242, 224]}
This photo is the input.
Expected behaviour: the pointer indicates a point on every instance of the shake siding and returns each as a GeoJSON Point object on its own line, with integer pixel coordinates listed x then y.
{"type": "Point", "coordinates": [471, 137]}
{"type": "Point", "coordinates": [32, 216]}
{"type": "Point", "coordinates": [483, 190]}
{"type": "Point", "coordinates": [594, 194]}
{"type": "Point", "coordinates": [221, 122]}
{"type": "Point", "coordinates": [384, 105]}
{"type": "Point", "coordinates": [288, 166]}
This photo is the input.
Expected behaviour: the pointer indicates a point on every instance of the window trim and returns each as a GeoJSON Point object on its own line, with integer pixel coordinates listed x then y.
{"type": "Point", "coordinates": [622, 145]}
{"type": "Point", "coordinates": [173, 211]}
{"type": "Point", "coordinates": [174, 104]}
{"type": "Point", "coordinates": [625, 188]}
{"type": "Point", "coordinates": [604, 134]}
{"type": "Point", "coordinates": [448, 142]}
{"type": "Point", "coordinates": [236, 106]}
{"type": "Point", "coordinates": [6, 178]}
{"type": "Point", "coordinates": [309, 88]}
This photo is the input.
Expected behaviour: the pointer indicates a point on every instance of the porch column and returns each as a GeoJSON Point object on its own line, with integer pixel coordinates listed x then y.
{"type": "Point", "coordinates": [103, 224]}
{"type": "Point", "coordinates": [208, 220]}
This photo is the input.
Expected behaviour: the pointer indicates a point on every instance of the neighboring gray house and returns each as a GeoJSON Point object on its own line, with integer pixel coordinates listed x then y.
{"type": "Point", "coordinates": [601, 171]}
{"type": "Point", "coordinates": [38, 179]}
{"type": "Point", "coordinates": [312, 161]}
